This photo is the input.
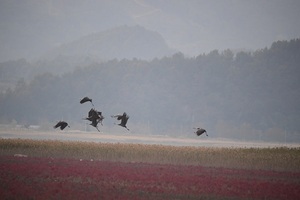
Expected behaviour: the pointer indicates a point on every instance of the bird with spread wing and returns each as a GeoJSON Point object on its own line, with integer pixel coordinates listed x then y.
{"type": "Point", "coordinates": [124, 118]}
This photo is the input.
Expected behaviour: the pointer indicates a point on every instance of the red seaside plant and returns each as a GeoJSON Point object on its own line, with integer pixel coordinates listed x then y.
{"type": "Point", "coordinates": [48, 178]}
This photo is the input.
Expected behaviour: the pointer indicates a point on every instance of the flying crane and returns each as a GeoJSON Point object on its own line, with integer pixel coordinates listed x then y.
{"type": "Point", "coordinates": [124, 118]}
{"type": "Point", "coordinates": [200, 131]}
{"type": "Point", "coordinates": [62, 125]}
{"type": "Point", "coordinates": [95, 117]}
{"type": "Point", "coordinates": [86, 99]}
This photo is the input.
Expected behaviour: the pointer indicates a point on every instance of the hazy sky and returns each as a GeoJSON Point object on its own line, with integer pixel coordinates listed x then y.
{"type": "Point", "coordinates": [30, 27]}
{"type": "Point", "coordinates": [196, 26]}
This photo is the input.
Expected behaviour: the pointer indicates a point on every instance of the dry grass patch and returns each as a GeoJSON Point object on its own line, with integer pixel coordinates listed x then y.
{"type": "Point", "coordinates": [282, 159]}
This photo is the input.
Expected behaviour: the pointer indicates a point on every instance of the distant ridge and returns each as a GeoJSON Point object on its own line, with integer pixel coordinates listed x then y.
{"type": "Point", "coordinates": [120, 42]}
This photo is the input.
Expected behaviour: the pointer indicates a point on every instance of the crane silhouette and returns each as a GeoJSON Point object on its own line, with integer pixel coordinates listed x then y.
{"type": "Point", "coordinates": [62, 125]}
{"type": "Point", "coordinates": [86, 99]}
{"type": "Point", "coordinates": [200, 131]}
{"type": "Point", "coordinates": [95, 117]}
{"type": "Point", "coordinates": [124, 118]}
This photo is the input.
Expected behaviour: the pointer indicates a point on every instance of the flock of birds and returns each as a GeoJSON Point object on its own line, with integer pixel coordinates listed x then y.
{"type": "Point", "coordinates": [96, 117]}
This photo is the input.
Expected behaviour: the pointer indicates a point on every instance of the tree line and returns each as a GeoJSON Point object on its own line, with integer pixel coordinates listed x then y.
{"type": "Point", "coordinates": [247, 95]}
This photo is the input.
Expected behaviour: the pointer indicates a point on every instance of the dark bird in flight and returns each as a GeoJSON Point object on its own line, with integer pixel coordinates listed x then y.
{"type": "Point", "coordinates": [200, 131]}
{"type": "Point", "coordinates": [86, 99]}
{"type": "Point", "coordinates": [95, 117]}
{"type": "Point", "coordinates": [62, 125]}
{"type": "Point", "coordinates": [124, 118]}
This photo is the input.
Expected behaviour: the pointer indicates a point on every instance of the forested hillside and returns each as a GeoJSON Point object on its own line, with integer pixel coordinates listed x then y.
{"type": "Point", "coordinates": [244, 96]}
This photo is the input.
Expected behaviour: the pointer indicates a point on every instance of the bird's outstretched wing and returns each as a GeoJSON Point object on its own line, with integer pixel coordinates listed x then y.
{"type": "Point", "coordinates": [86, 99]}
{"type": "Point", "coordinates": [57, 125]}
{"type": "Point", "coordinates": [117, 116]}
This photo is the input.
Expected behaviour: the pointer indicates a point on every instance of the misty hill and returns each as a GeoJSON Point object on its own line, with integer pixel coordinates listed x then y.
{"type": "Point", "coordinates": [30, 28]}
{"type": "Point", "coordinates": [121, 42]}
{"type": "Point", "coordinates": [116, 43]}
{"type": "Point", "coordinates": [248, 96]}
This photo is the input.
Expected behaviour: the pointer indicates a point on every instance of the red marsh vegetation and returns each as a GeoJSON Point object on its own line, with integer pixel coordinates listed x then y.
{"type": "Point", "coordinates": [95, 171]}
